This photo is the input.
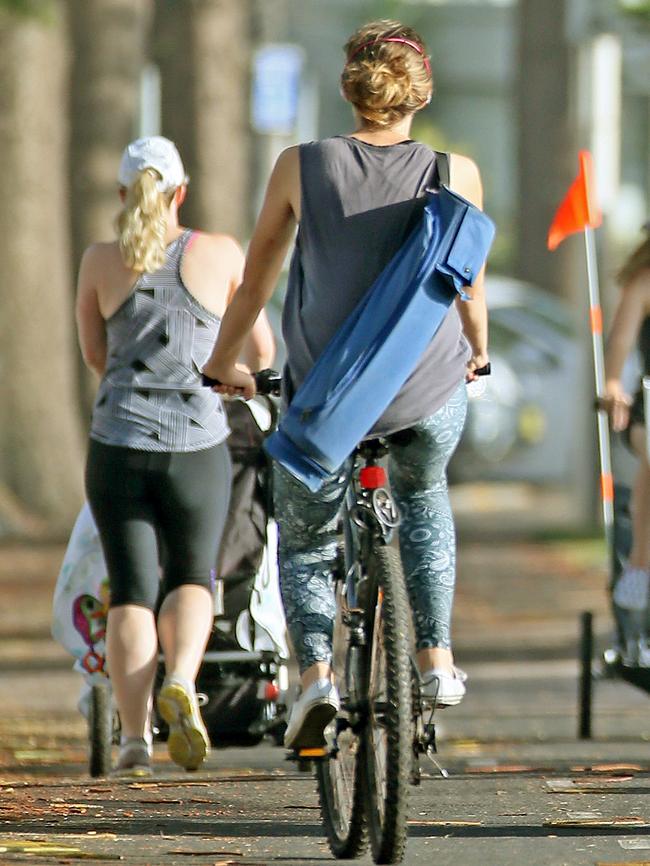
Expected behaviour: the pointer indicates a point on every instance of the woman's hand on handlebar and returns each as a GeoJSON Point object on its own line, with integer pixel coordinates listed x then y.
{"type": "Point", "coordinates": [617, 404]}
{"type": "Point", "coordinates": [475, 364]}
{"type": "Point", "coordinates": [234, 382]}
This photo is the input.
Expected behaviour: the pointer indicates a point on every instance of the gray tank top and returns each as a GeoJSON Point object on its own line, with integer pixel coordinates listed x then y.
{"type": "Point", "coordinates": [150, 397]}
{"type": "Point", "coordinates": [359, 202]}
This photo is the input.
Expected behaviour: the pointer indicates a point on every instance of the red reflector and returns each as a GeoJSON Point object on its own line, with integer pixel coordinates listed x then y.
{"type": "Point", "coordinates": [271, 692]}
{"type": "Point", "coordinates": [372, 477]}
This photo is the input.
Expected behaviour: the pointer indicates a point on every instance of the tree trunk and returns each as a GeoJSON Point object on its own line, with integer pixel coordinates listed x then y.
{"type": "Point", "coordinates": [41, 445]}
{"type": "Point", "coordinates": [108, 39]}
{"type": "Point", "coordinates": [547, 158]}
{"type": "Point", "coordinates": [203, 50]}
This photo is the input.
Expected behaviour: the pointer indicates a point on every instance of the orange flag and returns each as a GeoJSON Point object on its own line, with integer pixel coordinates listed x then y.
{"type": "Point", "coordinates": [578, 209]}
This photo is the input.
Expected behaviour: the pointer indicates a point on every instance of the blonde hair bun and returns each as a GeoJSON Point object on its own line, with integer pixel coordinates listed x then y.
{"type": "Point", "coordinates": [387, 73]}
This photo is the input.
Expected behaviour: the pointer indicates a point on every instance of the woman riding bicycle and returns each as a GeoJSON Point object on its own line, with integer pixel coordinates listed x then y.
{"type": "Point", "coordinates": [355, 199]}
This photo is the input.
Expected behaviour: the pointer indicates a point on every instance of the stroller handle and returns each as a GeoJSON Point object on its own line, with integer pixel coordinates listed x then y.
{"type": "Point", "coordinates": [266, 381]}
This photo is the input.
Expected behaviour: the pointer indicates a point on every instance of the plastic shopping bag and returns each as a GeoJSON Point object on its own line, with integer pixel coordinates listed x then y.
{"type": "Point", "coordinates": [81, 599]}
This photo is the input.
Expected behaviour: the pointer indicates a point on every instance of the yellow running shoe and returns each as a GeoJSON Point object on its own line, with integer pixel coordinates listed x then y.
{"type": "Point", "coordinates": [188, 741]}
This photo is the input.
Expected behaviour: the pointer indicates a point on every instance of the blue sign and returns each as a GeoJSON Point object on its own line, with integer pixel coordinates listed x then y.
{"type": "Point", "coordinates": [276, 88]}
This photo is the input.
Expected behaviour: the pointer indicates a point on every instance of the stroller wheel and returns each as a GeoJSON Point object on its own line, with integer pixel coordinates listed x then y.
{"type": "Point", "coordinates": [100, 730]}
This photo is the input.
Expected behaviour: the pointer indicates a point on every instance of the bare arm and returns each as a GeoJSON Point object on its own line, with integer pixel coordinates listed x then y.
{"type": "Point", "coordinates": [258, 350]}
{"type": "Point", "coordinates": [631, 310]}
{"type": "Point", "coordinates": [273, 234]}
{"type": "Point", "coordinates": [91, 327]}
{"type": "Point", "coordinates": [466, 180]}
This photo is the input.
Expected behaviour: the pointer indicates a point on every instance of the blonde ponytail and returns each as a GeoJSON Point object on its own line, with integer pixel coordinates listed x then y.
{"type": "Point", "coordinates": [142, 223]}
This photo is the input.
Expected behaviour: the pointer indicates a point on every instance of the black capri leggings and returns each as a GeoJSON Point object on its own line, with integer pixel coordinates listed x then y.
{"type": "Point", "coordinates": [158, 511]}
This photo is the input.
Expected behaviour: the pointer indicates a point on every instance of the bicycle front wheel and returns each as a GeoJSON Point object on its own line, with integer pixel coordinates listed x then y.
{"type": "Point", "coordinates": [388, 748]}
{"type": "Point", "coordinates": [339, 777]}
{"type": "Point", "coordinates": [100, 730]}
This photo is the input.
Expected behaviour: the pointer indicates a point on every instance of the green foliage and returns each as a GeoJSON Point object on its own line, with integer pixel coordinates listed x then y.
{"type": "Point", "coordinates": [42, 9]}
{"type": "Point", "coordinates": [638, 9]}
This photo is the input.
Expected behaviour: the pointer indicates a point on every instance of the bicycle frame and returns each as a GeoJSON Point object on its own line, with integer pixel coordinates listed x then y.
{"type": "Point", "coordinates": [369, 512]}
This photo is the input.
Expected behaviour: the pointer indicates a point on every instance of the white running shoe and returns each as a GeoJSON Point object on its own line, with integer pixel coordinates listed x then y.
{"type": "Point", "coordinates": [631, 589]}
{"type": "Point", "coordinates": [134, 759]}
{"type": "Point", "coordinates": [311, 714]}
{"type": "Point", "coordinates": [446, 689]}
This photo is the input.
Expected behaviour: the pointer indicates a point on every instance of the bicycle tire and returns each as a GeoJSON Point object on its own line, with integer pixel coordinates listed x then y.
{"type": "Point", "coordinates": [340, 788]}
{"type": "Point", "coordinates": [388, 751]}
{"type": "Point", "coordinates": [100, 730]}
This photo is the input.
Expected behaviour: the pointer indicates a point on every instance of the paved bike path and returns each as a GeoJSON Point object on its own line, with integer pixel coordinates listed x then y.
{"type": "Point", "coordinates": [522, 788]}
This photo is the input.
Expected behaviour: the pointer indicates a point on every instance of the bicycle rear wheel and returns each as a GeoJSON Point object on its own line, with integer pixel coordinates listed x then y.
{"type": "Point", "coordinates": [340, 788]}
{"type": "Point", "coordinates": [388, 751]}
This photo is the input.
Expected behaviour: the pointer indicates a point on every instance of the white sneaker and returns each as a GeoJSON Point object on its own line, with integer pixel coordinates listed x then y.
{"type": "Point", "coordinates": [446, 689]}
{"type": "Point", "coordinates": [311, 714]}
{"type": "Point", "coordinates": [631, 589]}
{"type": "Point", "coordinates": [134, 759]}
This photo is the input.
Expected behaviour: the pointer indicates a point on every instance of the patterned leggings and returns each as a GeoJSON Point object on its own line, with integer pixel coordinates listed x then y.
{"type": "Point", "coordinates": [417, 464]}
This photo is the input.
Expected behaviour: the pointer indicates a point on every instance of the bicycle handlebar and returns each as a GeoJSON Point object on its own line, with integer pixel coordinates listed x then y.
{"type": "Point", "coordinates": [266, 382]}
{"type": "Point", "coordinates": [270, 381]}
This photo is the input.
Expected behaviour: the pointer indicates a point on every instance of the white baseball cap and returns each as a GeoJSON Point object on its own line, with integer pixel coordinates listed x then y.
{"type": "Point", "coordinates": [156, 152]}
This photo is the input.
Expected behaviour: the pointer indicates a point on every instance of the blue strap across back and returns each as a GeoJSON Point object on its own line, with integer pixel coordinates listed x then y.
{"type": "Point", "coordinates": [375, 351]}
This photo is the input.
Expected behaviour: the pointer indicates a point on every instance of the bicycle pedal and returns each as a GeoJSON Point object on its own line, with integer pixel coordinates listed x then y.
{"type": "Point", "coordinates": [310, 754]}
{"type": "Point", "coordinates": [305, 757]}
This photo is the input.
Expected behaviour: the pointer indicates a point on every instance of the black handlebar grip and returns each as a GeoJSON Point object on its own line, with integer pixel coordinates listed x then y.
{"type": "Point", "coordinates": [208, 381]}
{"type": "Point", "coordinates": [266, 381]}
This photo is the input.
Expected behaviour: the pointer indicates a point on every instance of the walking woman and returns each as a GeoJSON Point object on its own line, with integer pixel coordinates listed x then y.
{"type": "Point", "coordinates": [149, 306]}
{"type": "Point", "coordinates": [355, 198]}
{"type": "Point", "coordinates": [631, 326]}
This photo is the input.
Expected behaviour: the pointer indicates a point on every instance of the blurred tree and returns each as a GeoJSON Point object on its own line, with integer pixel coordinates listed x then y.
{"type": "Point", "coordinates": [203, 50]}
{"type": "Point", "coordinates": [109, 39]}
{"type": "Point", "coordinates": [547, 156]}
{"type": "Point", "coordinates": [40, 441]}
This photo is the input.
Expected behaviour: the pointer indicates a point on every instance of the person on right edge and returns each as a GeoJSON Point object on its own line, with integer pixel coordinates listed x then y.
{"type": "Point", "coordinates": [355, 198]}
{"type": "Point", "coordinates": [631, 326]}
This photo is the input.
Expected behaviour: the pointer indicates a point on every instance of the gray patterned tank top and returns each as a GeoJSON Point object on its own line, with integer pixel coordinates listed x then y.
{"type": "Point", "coordinates": [150, 397]}
{"type": "Point", "coordinates": [359, 202]}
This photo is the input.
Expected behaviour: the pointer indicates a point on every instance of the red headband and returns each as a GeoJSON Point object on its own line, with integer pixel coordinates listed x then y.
{"type": "Point", "coordinates": [409, 42]}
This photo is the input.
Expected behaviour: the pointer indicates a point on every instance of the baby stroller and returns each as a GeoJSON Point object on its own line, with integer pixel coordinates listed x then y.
{"type": "Point", "coordinates": [243, 679]}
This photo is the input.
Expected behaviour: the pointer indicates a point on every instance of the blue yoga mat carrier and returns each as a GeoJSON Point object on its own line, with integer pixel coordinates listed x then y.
{"type": "Point", "coordinates": [379, 345]}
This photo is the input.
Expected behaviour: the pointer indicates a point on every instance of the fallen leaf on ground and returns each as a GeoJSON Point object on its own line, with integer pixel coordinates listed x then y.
{"type": "Point", "coordinates": [596, 822]}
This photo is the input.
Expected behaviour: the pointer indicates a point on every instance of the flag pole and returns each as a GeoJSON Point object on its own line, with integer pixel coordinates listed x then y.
{"type": "Point", "coordinates": [596, 321]}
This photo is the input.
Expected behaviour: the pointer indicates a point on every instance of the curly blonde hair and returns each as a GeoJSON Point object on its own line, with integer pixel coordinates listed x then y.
{"type": "Point", "coordinates": [142, 223]}
{"type": "Point", "coordinates": [386, 80]}
{"type": "Point", "coordinates": [637, 261]}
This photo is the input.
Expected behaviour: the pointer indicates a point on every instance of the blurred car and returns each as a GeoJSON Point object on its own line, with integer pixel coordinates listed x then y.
{"type": "Point", "coordinates": [521, 418]}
